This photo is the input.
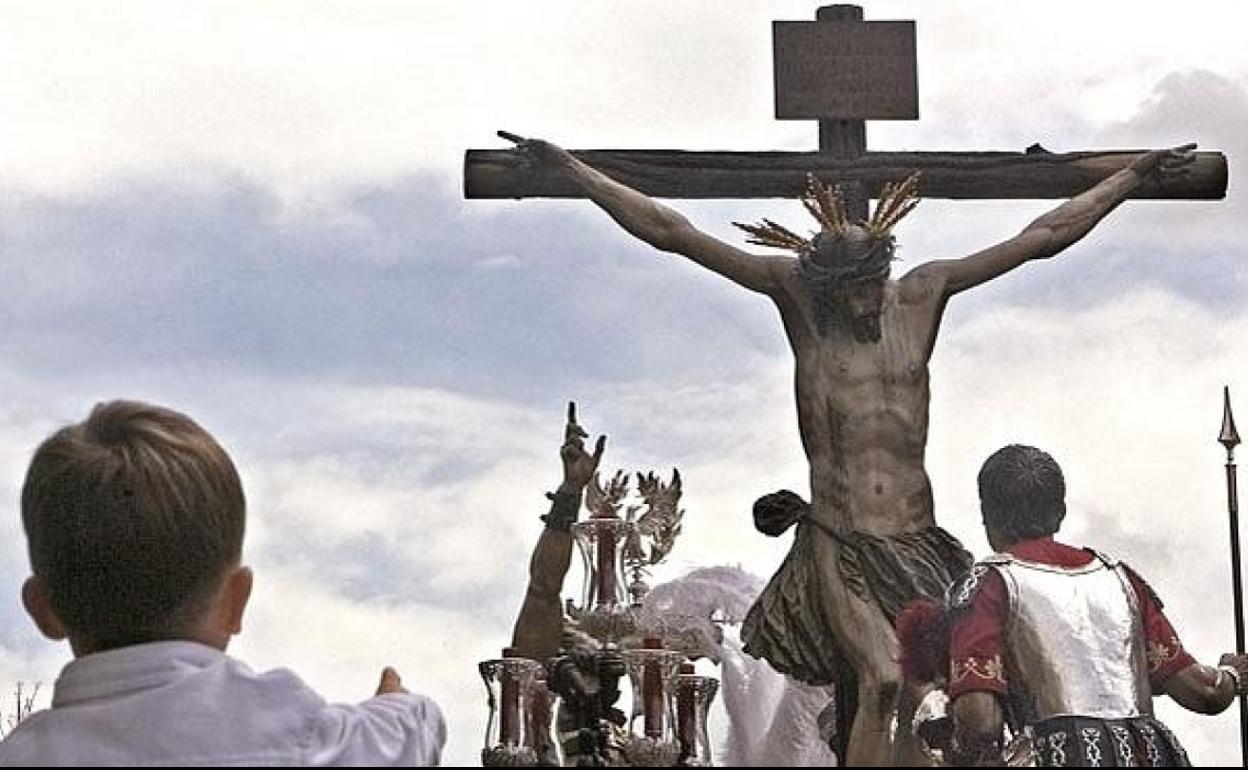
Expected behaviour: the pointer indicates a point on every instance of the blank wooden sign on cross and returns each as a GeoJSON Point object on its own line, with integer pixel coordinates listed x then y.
{"type": "Point", "coordinates": [865, 70]}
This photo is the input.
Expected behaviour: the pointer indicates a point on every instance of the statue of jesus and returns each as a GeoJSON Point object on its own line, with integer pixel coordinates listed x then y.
{"type": "Point", "coordinates": [867, 542]}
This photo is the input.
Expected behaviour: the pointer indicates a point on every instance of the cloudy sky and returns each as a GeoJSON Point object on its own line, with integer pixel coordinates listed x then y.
{"type": "Point", "coordinates": [252, 212]}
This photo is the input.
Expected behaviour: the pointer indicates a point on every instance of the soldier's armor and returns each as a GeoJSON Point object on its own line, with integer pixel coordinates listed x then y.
{"type": "Point", "coordinates": [1074, 641]}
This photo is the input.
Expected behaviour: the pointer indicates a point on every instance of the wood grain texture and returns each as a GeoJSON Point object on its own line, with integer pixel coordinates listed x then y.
{"type": "Point", "coordinates": [955, 175]}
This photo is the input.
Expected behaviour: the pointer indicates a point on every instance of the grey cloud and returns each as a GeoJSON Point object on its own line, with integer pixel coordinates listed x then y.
{"type": "Point", "coordinates": [408, 284]}
{"type": "Point", "coordinates": [1191, 248]}
{"type": "Point", "coordinates": [412, 286]}
{"type": "Point", "coordinates": [391, 567]}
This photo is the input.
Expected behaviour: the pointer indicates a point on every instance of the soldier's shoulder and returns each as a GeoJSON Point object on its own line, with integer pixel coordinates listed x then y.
{"type": "Point", "coordinates": [1141, 585]}
{"type": "Point", "coordinates": [962, 592]}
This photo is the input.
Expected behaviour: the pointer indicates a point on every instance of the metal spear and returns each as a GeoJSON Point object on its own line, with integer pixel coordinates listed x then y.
{"type": "Point", "coordinates": [1229, 438]}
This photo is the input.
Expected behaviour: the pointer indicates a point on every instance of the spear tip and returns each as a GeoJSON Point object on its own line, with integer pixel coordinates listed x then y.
{"type": "Point", "coordinates": [1229, 437]}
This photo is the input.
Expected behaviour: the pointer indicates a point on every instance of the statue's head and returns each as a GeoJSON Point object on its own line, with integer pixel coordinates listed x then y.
{"type": "Point", "coordinates": [846, 264]}
{"type": "Point", "coordinates": [1022, 495]}
{"type": "Point", "coordinates": [846, 274]}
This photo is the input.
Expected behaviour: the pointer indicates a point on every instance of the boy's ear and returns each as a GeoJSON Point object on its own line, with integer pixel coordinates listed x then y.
{"type": "Point", "coordinates": [237, 591]}
{"type": "Point", "coordinates": [35, 600]}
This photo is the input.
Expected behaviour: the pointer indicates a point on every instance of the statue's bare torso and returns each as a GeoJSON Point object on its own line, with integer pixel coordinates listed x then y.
{"type": "Point", "coordinates": [862, 409]}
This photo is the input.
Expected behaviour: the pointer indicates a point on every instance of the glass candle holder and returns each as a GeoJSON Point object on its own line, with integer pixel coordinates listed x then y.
{"type": "Point", "coordinates": [605, 612]}
{"type": "Point", "coordinates": [691, 702]}
{"type": "Point", "coordinates": [652, 670]}
{"type": "Point", "coordinates": [509, 741]}
{"type": "Point", "coordinates": [542, 734]}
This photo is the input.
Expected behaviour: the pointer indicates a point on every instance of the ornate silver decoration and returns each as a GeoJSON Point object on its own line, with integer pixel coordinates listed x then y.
{"type": "Point", "coordinates": [962, 591]}
{"type": "Point", "coordinates": [1092, 746]}
{"type": "Point", "coordinates": [1122, 746]}
{"type": "Point", "coordinates": [1057, 748]}
{"type": "Point", "coordinates": [1151, 752]}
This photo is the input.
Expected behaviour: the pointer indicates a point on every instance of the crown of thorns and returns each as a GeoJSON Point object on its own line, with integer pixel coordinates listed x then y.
{"type": "Point", "coordinates": [826, 204]}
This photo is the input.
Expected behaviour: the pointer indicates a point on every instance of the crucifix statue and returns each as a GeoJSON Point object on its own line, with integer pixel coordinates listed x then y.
{"type": "Point", "coordinates": [867, 542]}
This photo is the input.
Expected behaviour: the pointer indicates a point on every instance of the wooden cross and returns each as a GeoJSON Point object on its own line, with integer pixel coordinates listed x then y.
{"type": "Point", "coordinates": [842, 71]}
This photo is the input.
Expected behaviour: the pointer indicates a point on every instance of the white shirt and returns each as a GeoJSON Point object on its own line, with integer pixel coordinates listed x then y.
{"type": "Point", "coordinates": [182, 703]}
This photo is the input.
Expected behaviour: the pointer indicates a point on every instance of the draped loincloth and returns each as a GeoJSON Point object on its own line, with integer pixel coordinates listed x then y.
{"type": "Point", "coordinates": [789, 625]}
